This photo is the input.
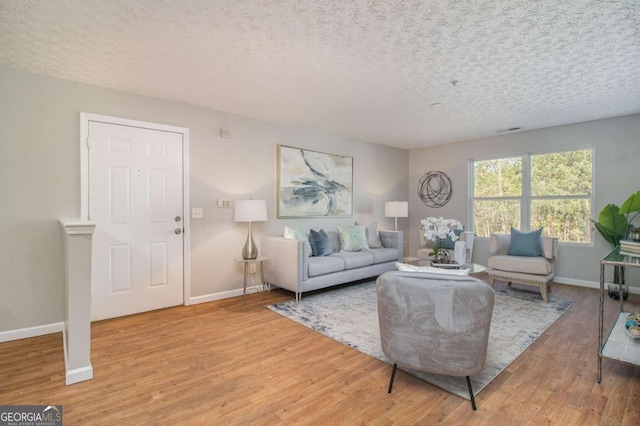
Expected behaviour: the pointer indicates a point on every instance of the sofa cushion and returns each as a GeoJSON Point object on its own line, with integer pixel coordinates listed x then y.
{"type": "Point", "coordinates": [321, 265]}
{"type": "Point", "coordinates": [373, 238]}
{"type": "Point", "coordinates": [298, 234]}
{"type": "Point", "coordinates": [320, 244]}
{"type": "Point", "coordinates": [525, 243]}
{"type": "Point", "coordinates": [352, 238]}
{"type": "Point", "coordinates": [522, 264]}
{"type": "Point", "coordinates": [382, 255]}
{"type": "Point", "coordinates": [354, 260]}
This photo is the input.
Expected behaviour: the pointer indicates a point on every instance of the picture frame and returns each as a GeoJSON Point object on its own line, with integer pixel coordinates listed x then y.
{"type": "Point", "coordinates": [313, 184]}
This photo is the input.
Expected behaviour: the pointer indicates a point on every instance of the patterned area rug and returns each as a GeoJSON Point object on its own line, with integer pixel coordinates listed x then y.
{"type": "Point", "coordinates": [350, 315]}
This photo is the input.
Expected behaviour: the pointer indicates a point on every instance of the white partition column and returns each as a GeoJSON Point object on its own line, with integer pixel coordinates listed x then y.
{"type": "Point", "coordinates": [77, 299]}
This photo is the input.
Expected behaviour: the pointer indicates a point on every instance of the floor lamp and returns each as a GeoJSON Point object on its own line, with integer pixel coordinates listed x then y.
{"type": "Point", "coordinates": [396, 209]}
{"type": "Point", "coordinates": [250, 211]}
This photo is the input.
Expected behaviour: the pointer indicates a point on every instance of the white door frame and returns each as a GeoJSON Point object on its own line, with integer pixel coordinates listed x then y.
{"type": "Point", "coordinates": [85, 166]}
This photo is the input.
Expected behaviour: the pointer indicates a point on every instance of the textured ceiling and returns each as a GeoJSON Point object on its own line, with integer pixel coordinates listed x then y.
{"type": "Point", "coordinates": [364, 69]}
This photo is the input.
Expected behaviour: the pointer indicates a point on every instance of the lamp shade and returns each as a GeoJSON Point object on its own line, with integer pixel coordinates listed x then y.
{"type": "Point", "coordinates": [396, 209]}
{"type": "Point", "coordinates": [250, 211]}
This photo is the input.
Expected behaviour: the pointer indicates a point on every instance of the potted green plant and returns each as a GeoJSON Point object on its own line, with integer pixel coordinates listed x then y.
{"type": "Point", "coordinates": [614, 225]}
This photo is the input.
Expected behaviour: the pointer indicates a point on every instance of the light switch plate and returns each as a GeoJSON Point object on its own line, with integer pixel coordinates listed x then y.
{"type": "Point", "coordinates": [224, 204]}
{"type": "Point", "coordinates": [197, 213]}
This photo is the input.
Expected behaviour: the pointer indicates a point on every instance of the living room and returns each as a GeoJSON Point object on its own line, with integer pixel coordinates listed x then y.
{"type": "Point", "coordinates": [41, 169]}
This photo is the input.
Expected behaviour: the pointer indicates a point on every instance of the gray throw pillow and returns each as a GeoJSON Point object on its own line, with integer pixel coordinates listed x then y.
{"type": "Point", "coordinates": [373, 238]}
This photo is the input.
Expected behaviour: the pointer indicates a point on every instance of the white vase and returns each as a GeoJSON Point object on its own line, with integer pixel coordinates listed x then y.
{"type": "Point", "coordinates": [460, 253]}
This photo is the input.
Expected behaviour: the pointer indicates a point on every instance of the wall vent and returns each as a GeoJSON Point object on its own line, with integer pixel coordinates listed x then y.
{"type": "Point", "coordinates": [510, 129]}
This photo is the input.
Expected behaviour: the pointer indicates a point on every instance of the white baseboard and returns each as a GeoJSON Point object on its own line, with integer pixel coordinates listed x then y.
{"type": "Point", "coordinates": [58, 327]}
{"type": "Point", "coordinates": [589, 284]}
{"type": "Point", "coordinates": [222, 295]}
{"type": "Point", "coordinates": [25, 333]}
{"type": "Point", "coordinates": [79, 375]}
{"type": "Point", "coordinates": [579, 283]}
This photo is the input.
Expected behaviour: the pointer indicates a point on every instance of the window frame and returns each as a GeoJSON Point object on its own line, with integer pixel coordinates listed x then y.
{"type": "Point", "coordinates": [525, 197]}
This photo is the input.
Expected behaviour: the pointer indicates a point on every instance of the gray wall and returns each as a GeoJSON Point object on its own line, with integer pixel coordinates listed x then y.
{"type": "Point", "coordinates": [616, 144]}
{"type": "Point", "coordinates": [40, 182]}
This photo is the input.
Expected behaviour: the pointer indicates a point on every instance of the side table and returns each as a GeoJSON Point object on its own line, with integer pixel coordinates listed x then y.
{"type": "Point", "coordinates": [617, 345]}
{"type": "Point", "coordinates": [247, 272]}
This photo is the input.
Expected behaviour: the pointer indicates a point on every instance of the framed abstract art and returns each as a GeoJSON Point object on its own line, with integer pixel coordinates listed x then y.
{"type": "Point", "coordinates": [314, 184]}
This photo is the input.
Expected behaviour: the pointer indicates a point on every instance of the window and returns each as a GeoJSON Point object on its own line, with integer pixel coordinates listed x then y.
{"type": "Point", "coordinates": [529, 191]}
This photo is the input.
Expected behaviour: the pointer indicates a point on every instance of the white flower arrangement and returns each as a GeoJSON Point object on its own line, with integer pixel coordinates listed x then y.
{"type": "Point", "coordinates": [439, 228]}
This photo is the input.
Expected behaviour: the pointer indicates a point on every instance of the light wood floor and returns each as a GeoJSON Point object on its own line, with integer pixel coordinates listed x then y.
{"type": "Point", "coordinates": [228, 363]}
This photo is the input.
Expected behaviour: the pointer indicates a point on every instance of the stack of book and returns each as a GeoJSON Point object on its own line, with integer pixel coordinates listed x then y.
{"type": "Point", "coordinates": [451, 265]}
{"type": "Point", "coordinates": [630, 248]}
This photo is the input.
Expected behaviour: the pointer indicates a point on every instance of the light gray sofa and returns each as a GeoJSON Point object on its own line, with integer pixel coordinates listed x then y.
{"type": "Point", "coordinates": [291, 267]}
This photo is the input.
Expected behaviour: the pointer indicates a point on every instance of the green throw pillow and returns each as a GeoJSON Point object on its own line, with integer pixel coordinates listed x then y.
{"type": "Point", "coordinates": [353, 238]}
{"type": "Point", "coordinates": [525, 243]}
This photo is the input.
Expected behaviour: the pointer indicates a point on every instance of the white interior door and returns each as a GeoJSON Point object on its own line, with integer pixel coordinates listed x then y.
{"type": "Point", "coordinates": [136, 197]}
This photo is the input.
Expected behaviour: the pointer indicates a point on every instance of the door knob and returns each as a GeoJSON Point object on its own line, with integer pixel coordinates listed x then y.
{"type": "Point", "coordinates": [178, 231]}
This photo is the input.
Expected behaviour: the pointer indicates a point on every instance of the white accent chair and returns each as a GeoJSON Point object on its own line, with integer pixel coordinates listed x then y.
{"type": "Point", "coordinates": [535, 271]}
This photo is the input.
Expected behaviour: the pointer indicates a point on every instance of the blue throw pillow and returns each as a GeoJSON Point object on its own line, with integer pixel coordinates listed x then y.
{"type": "Point", "coordinates": [320, 244]}
{"type": "Point", "coordinates": [525, 243]}
{"type": "Point", "coordinates": [449, 244]}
